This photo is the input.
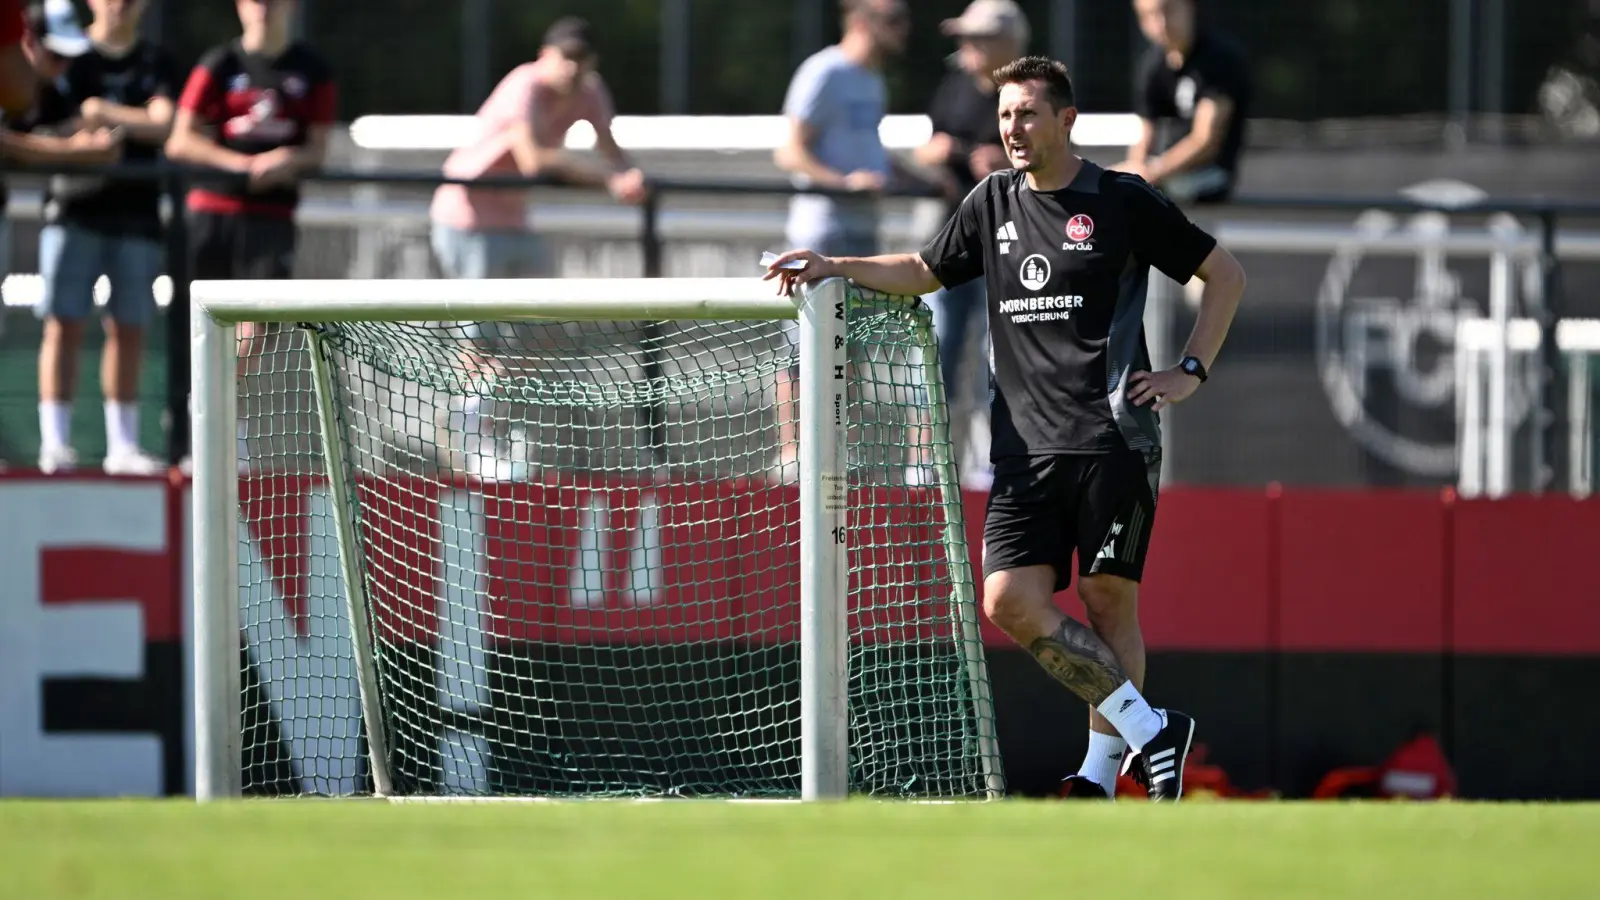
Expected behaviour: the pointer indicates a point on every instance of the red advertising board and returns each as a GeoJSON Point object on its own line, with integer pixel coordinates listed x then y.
{"type": "Point", "coordinates": [93, 605]}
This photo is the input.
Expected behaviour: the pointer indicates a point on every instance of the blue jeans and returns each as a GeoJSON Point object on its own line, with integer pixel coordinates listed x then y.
{"type": "Point", "coordinates": [72, 258]}
{"type": "Point", "coordinates": [955, 312]}
{"type": "Point", "coordinates": [491, 254]}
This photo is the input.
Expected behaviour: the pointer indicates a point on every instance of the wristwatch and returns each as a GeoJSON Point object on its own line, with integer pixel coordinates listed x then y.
{"type": "Point", "coordinates": [1193, 366]}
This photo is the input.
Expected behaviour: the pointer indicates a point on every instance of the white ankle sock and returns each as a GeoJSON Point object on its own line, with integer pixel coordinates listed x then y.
{"type": "Point", "coordinates": [1127, 711]}
{"type": "Point", "coordinates": [1103, 761]}
{"type": "Point", "coordinates": [122, 426]}
{"type": "Point", "coordinates": [55, 424]}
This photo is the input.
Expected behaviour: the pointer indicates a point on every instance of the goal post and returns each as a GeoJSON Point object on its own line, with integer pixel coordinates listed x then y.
{"type": "Point", "coordinates": [430, 557]}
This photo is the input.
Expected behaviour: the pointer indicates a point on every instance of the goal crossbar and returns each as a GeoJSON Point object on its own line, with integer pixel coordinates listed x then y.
{"type": "Point", "coordinates": [824, 495]}
{"type": "Point", "coordinates": [508, 299]}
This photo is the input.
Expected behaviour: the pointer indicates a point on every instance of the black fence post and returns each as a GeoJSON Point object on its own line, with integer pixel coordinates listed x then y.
{"type": "Point", "coordinates": [655, 414]}
{"type": "Point", "coordinates": [177, 412]}
{"type": "Point", "coordinates": [1552, 393]}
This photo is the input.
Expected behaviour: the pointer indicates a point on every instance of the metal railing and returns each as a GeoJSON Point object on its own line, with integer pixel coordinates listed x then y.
{"type": "Point", "coordinates": [1546, 247]}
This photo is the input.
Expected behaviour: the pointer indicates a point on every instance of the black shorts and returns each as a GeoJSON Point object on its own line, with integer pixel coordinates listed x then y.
{"type": "Point", "coordinates": [1042, 508]}
{"type": "Point", "coordinates": [228, 246]}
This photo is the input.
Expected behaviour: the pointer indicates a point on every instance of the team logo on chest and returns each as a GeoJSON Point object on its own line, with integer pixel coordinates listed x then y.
{"type": "Point", "coordinates": [1035, 272]}
{"type": "Point", "coordinates": [1080, 228]}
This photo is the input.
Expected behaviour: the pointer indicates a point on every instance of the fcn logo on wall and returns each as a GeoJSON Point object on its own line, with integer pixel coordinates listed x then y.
{"type": "Point", "coordinates": [1387, 314]}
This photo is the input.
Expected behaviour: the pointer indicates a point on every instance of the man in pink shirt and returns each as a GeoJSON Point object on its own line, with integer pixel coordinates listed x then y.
{"type": "Point", "coordinates": [483, 232]}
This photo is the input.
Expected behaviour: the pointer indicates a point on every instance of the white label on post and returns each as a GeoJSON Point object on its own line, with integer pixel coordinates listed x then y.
{"type": "Point", "coordinates": [833, 493]}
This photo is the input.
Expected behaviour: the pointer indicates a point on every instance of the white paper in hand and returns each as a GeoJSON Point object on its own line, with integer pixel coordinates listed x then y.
{"type": "Point", "coordinates": [768, 256]}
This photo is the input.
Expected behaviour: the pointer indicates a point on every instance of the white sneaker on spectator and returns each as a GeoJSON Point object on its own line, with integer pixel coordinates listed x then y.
{"type": "Point", "coordinates": [57, 460]}
{"type": "Point", "coordinates": [131, 461]}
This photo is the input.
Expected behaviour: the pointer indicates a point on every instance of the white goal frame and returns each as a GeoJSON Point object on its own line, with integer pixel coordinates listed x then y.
{"type": "Point", "coordinates": [822, 310]}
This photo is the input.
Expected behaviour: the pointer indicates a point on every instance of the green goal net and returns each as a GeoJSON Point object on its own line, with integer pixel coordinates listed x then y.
{"type": "Point", "coordinates": [498, 556]}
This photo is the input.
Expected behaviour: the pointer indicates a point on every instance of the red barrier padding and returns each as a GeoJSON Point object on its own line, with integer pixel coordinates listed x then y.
{"type": "Point", "coordinates": [1228, 569]}
{"type": "Point", "coordinates": [1207, 583]}
{"type": "Point", "coordinates": [1361, 571]}
{"type": "Point", "coordinates": [1526, 576]}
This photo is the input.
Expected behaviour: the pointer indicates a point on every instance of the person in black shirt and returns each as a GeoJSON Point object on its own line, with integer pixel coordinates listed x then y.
{"type": "Point", "coordinates": [1193, 95]}
{"type": "Point", "coordinates": [1066, 247]}
{"type": "Point", "coordinates": [98, 226]}
{"type": "Point", "coordinates": [965, 148]}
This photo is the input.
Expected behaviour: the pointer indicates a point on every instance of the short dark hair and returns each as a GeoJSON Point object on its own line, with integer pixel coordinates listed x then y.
{"type": "Point", "coordinates": [572, 35]}
{"type": "Point", "coordinates": [1039, 68]}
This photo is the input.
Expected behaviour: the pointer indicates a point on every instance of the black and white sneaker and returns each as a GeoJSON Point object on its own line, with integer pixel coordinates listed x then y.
{"type": "Point", "coordinates": [1162, 759]}
{"type": "Point", "coordinates": [1081, 787]}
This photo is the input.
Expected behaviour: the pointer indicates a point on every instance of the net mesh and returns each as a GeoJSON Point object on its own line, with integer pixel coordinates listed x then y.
{"type": "Point", "coordinates": [578, 546]}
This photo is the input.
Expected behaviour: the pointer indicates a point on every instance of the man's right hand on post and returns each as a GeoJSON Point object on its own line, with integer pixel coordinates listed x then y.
{"type": "Point", "coordinates": [817, 267]}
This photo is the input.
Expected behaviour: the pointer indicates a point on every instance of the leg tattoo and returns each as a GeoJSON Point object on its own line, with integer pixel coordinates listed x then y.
{"type": "Point", "coordinates": [1079, 659]}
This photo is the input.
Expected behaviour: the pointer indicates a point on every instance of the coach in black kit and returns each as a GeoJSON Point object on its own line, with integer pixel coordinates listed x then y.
{"type": "Point", "coordinates": [1066, 248]}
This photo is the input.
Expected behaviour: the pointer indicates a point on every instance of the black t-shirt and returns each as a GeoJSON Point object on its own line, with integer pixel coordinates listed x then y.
{"type": "Point", "coordinates": [1215, 67]}
{"type": "Point", "coordinates": [50, 111]}
{"type": "Point", "coordinates": [963, 110]}
{"type": "Point", "coordinates": [1066, 274]}
{"type": "Point", "coordinates": [254, 104]}
{"type": "Point", "coordinates": [132, 79]}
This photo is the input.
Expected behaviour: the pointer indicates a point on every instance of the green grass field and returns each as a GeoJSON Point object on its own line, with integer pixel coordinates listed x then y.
{"type": "Point", "coordinates": [358, 849]}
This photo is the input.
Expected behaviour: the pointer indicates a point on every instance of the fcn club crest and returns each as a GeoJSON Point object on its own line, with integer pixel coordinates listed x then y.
{"type": "Point", "coordinates": [1079, 228]}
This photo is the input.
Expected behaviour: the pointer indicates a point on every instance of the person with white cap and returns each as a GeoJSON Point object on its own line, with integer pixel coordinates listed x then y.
{"type": "Point", "coordinates": [107, 227]}
{"type": "Point", "coordinates": [965, 147]}
{"type": "Point", "coordinates": [49, 131]}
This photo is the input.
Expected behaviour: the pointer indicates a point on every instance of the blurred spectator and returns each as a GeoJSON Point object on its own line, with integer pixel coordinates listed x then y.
{"type": "Point", "coordinates": [966, 148]}
{"type": "Point", "coordinates": [835, 104]}
{"type": "Point", "coordinates": [1569, 95]}
{"type": "Point", "coordinates": [17, 78]}
{"type": "Point", "coordinates": [1193, 94]}
{"type": "Point", "coordinates": [49, 133]}
{"type": "Point", "coordinates": [261, 108]}
{"type": "Point", "coordinates": [483, 232]}
{"type": "Point", "coordinates": [98, 226]}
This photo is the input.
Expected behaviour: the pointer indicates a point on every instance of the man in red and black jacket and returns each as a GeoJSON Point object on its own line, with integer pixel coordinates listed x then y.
{"type": "Point", "coordinates": [260, 106]}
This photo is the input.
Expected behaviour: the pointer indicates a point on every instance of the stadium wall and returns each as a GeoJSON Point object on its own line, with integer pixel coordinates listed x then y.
{"type": "Point", "coordinates": [1305, 629]}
